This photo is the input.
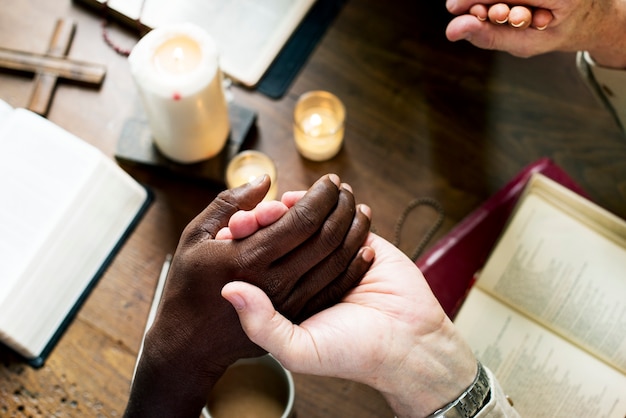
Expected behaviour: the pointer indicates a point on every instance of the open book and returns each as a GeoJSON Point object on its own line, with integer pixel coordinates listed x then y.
{"type": "Point", "coordinates": [548, 312]}
{"type": "Point", "coordinates": [66, 209]}
{"type": "Point", "coordinates": [249, 33]}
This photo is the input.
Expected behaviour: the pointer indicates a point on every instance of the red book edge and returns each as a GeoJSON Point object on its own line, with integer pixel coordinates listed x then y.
{"type": "Point", "coordinates": [451, 264]}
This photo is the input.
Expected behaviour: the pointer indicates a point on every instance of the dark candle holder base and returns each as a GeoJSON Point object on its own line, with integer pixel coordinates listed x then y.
{"type": "Point", "coordinates": [136, 147]}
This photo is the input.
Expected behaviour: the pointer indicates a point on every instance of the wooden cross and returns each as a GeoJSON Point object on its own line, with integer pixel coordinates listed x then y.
{"type": "Point", "coordinates": [51, 66]}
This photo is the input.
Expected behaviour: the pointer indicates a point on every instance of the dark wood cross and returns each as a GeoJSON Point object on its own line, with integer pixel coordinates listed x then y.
{"type": "Point", "coordinates": [51, 66]}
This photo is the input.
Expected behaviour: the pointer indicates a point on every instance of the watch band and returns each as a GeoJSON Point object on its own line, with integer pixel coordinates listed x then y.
{"type": "Point", "coordinates": [608, 85]}
{"type": "Point", "coordinates": [471, 401]}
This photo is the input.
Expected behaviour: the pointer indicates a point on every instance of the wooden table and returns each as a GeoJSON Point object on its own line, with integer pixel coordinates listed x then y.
{"type": "Point", "coordinates": [425, 118]}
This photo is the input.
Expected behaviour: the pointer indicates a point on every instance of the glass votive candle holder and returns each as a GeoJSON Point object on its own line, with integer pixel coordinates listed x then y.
{"type": "Point", "coordinates": [318, 125]}
{"type": "Point", "coordinates": [246, 166]}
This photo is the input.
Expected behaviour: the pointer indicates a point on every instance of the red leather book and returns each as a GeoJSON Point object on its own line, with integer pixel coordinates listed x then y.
{"type": "Point", "coordinates": [451, 264]}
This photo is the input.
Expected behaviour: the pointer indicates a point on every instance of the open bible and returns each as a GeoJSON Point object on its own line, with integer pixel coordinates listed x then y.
{"type": "Point", "coordinates": [547, 313]}
{"type": "Point", "coordinates": [249, 34]}
{"type": "Point", "coordinates": [66, 209]}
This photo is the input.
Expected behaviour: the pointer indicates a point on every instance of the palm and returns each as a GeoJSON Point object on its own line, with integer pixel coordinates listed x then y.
{"type": "Point", "coordinates": [386, 296]}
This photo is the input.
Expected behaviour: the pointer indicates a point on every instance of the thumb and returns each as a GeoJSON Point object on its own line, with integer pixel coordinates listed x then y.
{"type": "Point", "coordinates": [265, 326]}
{"type": "Point", "coordinates": [464, 27]}
{"type": "Point", "coordinates": [216, 215]}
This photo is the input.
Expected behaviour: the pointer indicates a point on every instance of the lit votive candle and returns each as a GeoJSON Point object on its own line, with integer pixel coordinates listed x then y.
{"type": "Point", "coordinates": [247, 166]}
{"type": "Point", "coordinates": [176, 70]}
{"type": "Point", "coordinates": [319, 125]}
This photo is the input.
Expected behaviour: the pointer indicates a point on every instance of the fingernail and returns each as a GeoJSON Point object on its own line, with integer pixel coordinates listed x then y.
{"type": "Point", "coordinates": [482, 19]}
{"type": "Point", "coordinates": [517, 25]}
{"type": "Point", "coordinates": [335, 179]}
{"type": "Point", "coordinates": [346, 186]}
{"type": "Point", "coordinates": [238, 302]}
{"type": "Point", "coordinates": [502, 21]}
{"type": "Point", "coordinates": [366, 210]}
{"type": "Point", "coordinates": [257, 180]}
{"type": "Point", "coordinates": [542, 27]}
{"type": "Point", "coordinates": [367, 254]}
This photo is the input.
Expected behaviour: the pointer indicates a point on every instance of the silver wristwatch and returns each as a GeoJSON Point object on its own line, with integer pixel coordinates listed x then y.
{"type": "Point", "coordinates": [471, 400]}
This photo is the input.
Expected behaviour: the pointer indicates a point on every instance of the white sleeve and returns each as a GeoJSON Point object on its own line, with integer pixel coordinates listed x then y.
{"type": "Point", "coordinates": [608, 85]}
{"type": "Point", "coordinates": [499, 406]}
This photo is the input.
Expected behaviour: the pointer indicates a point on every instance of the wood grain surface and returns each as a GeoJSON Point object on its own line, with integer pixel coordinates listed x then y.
{"type": "Point", "coordinates": [425, 117]}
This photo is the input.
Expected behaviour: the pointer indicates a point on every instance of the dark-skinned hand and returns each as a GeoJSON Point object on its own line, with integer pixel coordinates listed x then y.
{"type": "Point", "coordinates": [305, 261]}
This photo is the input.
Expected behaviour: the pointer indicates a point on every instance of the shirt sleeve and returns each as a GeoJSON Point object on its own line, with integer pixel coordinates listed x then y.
{"type": "Point", "coordinates": [499, 406]}
{"type": "Point", "coordinates": [607, 84]}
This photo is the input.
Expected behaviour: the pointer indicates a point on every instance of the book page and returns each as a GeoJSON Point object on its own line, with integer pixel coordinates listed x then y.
{"type": "Point", "coordinates": [563, 274]}
{"type": "Point", "coordinates": [35, 200]}
{"type": "Point", "coordinates": [128, 8]}
{"type": "Point", "coordinates": [73, 253]}
{"type": "Point", "coordinates": [544, 375]}
{"type": "Point", "coordinates": [5, 111]}
{"type": "Point", "coordinates": [249, 33]}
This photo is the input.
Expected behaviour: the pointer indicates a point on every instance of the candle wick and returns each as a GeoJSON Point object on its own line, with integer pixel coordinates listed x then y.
{"type": "Point", "coordinates": [178, 54]}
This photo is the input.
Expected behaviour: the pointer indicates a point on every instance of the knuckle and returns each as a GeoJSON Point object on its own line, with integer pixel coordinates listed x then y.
{"type": "Point", "coordinates": [304, 219]}
{"type": "Point", "coordinates": [332, 234]}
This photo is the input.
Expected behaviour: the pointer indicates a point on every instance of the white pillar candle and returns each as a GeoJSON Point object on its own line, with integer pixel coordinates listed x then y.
{"type": "Point", "coordinates": [176, 70]}
{"type": "Point", "coordinates": [319, 125]}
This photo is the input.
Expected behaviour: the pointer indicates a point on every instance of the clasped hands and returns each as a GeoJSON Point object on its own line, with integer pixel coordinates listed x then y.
{"type": "Point", "coordinates": [309, 284]}
{"type": "Point", "coordinates": [304, 261]}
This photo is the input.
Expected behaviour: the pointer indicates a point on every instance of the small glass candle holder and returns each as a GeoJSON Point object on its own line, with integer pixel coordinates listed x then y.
{"type": "Point", "coordinates": [246, 166]}
{"type": "Point", "coordinates": [319, 118]}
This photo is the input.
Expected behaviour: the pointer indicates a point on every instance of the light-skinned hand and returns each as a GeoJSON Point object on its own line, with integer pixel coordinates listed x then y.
{"type": "Point", "coordinates": [389, 332]}
{"type": "Point", "coordinates": [533, 27]}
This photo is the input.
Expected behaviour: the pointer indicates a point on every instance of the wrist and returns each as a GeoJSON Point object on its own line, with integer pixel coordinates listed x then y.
{"type": "Point", "coordinates": [435, 372]}
{"type": "Point", "coordinates": [161, 368]}
{"type": "Point", "coordinates": [609, 59]}
{"type": "Point", "coordinates": [609, 48]}
{"type": "Point", "coordinates": [471, 401]}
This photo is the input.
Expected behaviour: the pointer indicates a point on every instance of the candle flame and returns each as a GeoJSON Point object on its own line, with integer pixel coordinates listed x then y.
{"type": "Point", "coordinates": [178, 54]}
{"type": "Point", "coordinates": [315, 120]}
